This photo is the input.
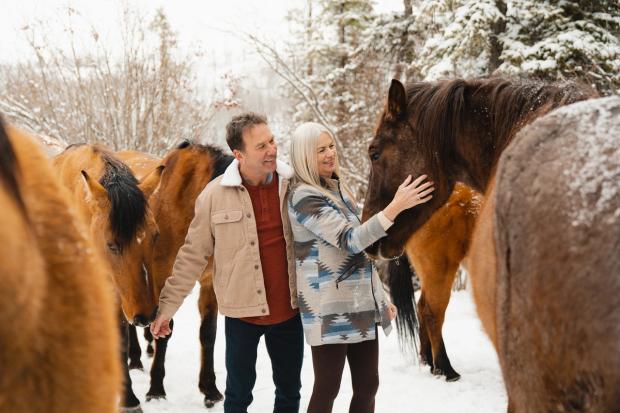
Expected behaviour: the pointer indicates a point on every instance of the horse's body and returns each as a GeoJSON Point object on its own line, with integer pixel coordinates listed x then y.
{"type": "Point", "coordinates": [58, 330]}
{"type": "Point", "coordinates": [556, 233]}
{"type": "Point", "coordinates": [546, 292]}
{"type": "Point", "coordinates": [189, 168]}
{"type": "Point", "coordinates": [113, 204]}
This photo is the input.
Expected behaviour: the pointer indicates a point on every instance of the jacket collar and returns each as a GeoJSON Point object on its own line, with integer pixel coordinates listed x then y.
{"type": "Point", "coordinates": [232, 176]}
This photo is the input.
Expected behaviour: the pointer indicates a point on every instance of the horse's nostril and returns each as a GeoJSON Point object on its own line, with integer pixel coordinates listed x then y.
{"type": "Point", "coordinates": [141, 321]}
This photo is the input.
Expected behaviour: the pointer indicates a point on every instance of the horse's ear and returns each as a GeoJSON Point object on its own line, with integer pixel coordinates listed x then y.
{"type": "Point", "coordinates": [397, 100]}
{"type": "Point", "coordinates": [95, 190]}
{"type": "Point", "coordinates": [149, 183]}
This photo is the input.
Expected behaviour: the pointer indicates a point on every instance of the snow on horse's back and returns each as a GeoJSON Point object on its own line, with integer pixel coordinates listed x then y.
{"type": "Point", "coordinates": [557, 231]}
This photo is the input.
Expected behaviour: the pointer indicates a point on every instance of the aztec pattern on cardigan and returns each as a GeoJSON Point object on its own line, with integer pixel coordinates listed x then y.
{"type": "Point", "coordinates": [339, 293]}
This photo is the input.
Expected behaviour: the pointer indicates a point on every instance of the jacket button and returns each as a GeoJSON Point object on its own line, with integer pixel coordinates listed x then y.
{"type": "Point", "coordinates": [263, 311]}
{"type": "Point", "coordinates": [249, 215]}
{"type": "Point", "coordinates": [252, 243]}
{"type": "Point", "coordinates": [225, 216]}
{"type": "Point", "coordinates": [242, 189]}
{"type": "Point", "coordinates": [256, 267]}
{"type": "Point", "coordinates": [259, 291]}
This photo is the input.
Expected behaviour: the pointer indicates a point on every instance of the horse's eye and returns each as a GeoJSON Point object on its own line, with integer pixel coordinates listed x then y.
{"type": "Point", "coordinates": [375, 156]}
{"type": "Point", "coordinates": [114, 248]}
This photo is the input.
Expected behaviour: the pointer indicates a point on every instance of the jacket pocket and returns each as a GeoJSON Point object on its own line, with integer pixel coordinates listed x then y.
{"type": "Point", "coordinates": [346, 273]}
{"type": "Point", "coordinates": [228, 229]}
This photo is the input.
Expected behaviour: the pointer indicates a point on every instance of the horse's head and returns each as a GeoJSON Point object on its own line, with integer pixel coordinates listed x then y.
{"type": "Point", "coordinates": [396, 151]}
{"type": "Point", "coordinates": [189, 168]}
{"type": "Point", "coordinates": [124, 228]}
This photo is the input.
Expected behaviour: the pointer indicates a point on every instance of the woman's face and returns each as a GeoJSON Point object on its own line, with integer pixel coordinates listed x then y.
{"type": "Point", "coordinates": [326, 155]}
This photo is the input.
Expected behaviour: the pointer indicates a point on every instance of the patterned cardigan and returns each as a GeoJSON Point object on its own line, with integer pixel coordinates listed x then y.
{"type": "Point", "coordinates": [339, 293]}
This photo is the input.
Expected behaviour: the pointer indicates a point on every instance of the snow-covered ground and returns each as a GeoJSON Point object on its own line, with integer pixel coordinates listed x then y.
{"type": "Point", "coordinates": [405, 386]}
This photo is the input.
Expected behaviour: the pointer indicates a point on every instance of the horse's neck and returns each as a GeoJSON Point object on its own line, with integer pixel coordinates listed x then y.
{"type": "Point", "coordinates": [479, 152]}
{"type": "Point", "coordinates": [483, 141]}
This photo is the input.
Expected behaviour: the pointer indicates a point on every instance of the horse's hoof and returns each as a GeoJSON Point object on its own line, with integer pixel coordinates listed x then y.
{"type": "Point", "coordinates": [211, 399]}
{"type": "Point", "coordinates": [134, 409]}
{"type": "Point", "coordinates": [150, 397]}
{"type": "Point", "coordinates": [136, 365]}
{"type": "Point", "coordinates": [454, 376]}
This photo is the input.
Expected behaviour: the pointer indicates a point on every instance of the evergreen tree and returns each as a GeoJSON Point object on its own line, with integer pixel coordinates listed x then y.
{"type": "Point", "coordinates": [558, 40]}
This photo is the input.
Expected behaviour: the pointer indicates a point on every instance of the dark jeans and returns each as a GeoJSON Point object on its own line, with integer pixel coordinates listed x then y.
{"type": "Point", "coordinates": [328, 363]}
{"type": "Point", "coordinates": [285, 345]}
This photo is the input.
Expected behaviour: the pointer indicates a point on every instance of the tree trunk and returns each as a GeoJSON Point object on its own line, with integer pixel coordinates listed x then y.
{"type": "Point", "coordinates": [496, 47]}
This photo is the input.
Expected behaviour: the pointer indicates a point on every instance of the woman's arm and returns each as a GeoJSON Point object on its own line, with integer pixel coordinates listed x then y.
{"type": "Point", "coordinates": [318, 215]}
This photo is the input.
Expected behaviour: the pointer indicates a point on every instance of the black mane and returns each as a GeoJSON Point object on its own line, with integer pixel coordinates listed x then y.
{"type": "Point", "coordinates": [220, 159]}
{"type": "Point", "coordinates": [128, 204]}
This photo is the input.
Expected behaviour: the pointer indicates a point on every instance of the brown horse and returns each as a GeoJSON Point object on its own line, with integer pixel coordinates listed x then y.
{"type": "Point", "coordinates": [436, 250]}
{"type": "Point", "coordinates": [189, 168]}
{"type": "Point", "coordinates": [113, 204]}
{"type": "Point", "coordinates": [58, 330]}
{"type": "Point", "coordinates": [543, 281]}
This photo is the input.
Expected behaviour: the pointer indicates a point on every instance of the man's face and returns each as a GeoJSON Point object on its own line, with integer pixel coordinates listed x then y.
{"type": "Point", "coordinates": [258, 157]}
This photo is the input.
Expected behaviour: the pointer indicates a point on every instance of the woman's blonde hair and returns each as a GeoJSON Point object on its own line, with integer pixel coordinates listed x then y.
{"type": "Point", "coordinates": [304, 160]}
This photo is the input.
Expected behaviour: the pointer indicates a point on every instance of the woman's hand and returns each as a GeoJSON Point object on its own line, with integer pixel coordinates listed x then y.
{"type": "Point", "coordinates": [408, 195]}
{"type": "Point", "coordinates": [392, 311]}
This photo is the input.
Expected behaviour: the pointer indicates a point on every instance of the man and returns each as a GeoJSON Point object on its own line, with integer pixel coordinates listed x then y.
{"type": "Point", "coordinates": [242, 222]}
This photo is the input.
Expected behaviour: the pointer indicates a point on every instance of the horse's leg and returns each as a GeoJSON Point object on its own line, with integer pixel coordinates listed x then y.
{"type": "Point", "coordinates": [158, 370]}
{"type": "Point", "coordinates": [135, 352]}
{"type": "Point", "coordinates": [426, 351]}
{"type": "Point", "coordinates": [437, 272]}
{"type": "Point", "coordinates": [437, 299]}
{"type": "Point", "coordinates": [149, 339]}
{"type": "Point", "coordinates": [130, 402]}
{"type": "Point", "coordinates": [207, 305]}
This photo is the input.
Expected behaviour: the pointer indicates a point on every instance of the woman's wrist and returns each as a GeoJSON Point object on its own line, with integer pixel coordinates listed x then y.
{"type": "Point", "coordinates": [390, 212]}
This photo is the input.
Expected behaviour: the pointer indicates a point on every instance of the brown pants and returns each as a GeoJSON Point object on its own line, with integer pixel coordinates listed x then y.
{"type": "Point", "coordinates": [328, 362]}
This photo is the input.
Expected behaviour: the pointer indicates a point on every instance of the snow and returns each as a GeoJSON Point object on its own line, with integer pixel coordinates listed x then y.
{"type": "Point", "coordinates": [597, 175]}
{"type": "Point", "coordinates": [405, 386]}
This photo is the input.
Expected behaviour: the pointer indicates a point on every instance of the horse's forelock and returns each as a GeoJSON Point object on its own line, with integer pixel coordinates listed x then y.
{"type": "Point", "coordinates": [128, 203]}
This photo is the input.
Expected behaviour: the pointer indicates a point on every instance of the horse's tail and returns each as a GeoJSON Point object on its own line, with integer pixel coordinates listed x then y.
{"type": "Point", "coordinates": [8, 167]}
{"type": "Point", "coordinates": [400, 281]}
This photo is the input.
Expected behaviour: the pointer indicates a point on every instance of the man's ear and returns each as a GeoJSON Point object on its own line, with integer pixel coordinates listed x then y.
{"type": "Point", "coordinates": [237, 154]}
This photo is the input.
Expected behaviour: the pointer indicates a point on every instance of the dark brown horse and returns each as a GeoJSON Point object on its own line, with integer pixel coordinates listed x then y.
{"type": "Point", "coordinates": [546, 295]}
{"type": "Point", "coordinates": [189, 168]}
{"type": "Point", "coordinates": [58, 332]}
{"type": "Point", "coordinates": [113, 204]}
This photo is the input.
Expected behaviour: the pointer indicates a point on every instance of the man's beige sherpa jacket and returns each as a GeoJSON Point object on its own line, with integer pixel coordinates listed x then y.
{"type": "Point", "coordinates": [224, 229]}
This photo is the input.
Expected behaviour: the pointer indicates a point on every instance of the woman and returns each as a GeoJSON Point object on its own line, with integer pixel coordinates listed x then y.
{"type": "Point", "coordinates": [340, 297]}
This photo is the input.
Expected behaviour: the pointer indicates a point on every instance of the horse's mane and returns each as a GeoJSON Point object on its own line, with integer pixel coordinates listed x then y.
{"type": "Point", "coordinates": [9, 167]}
{"type": "Point", "coordinates": [128, 204]}
{"type": "Point", "coordinates": [220, 159]}
{"type": "Point", "coordinates": [441, 109]}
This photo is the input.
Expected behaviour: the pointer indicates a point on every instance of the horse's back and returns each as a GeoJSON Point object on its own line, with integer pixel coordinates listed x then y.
{"type": "Point", "coordinates": [141, 163]}
{"type": "Point", "coordinates": [58, 328]}
{"type": "Point", "coordinates": [557, 231]}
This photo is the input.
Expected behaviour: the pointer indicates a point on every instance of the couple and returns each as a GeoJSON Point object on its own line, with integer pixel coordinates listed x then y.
{"type": "Point", "coordinates": [287, 256]}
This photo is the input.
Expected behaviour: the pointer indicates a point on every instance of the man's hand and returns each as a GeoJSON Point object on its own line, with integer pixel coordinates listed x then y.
{"type": "Point", "coordinates": [160, 327]}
